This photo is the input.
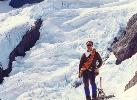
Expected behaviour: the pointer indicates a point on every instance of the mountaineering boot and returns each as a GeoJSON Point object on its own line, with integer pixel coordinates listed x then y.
{"type": "Point", "coordinates": [94, 96]}
{"type": "Point", "coordinates": [88, 98]}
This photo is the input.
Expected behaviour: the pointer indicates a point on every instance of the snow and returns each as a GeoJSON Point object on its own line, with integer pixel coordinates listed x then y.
{"type": "Point", "coordinates": [129, 94]}
{"type": "Point", "coordinates": [51, 66]}
{"type": "Point", "coordinates": [11, 33]}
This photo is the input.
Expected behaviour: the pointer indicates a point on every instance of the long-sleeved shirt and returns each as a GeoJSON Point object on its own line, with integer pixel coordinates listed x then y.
{"type": "Point", "coordinates": [96, 62]}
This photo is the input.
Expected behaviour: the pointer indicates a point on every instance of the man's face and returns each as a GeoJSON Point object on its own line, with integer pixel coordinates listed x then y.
{"type": "Point", "coordinates": [89, 46]}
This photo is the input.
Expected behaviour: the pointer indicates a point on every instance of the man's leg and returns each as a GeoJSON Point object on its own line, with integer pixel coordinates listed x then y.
{"type": "Point", "coordinates": [94, 87]}
{"type": "Point", "coordinates": [86, 86]}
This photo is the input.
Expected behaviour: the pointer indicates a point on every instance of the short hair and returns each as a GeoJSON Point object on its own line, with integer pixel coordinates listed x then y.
{"type": "Point", "coordinates": [89, 42]}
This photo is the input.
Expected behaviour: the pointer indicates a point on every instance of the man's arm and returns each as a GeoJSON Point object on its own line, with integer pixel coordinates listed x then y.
{"type": "Point", "coordinates": [99, 60]}
{"type": "Point", "coordinates": [81, 62]}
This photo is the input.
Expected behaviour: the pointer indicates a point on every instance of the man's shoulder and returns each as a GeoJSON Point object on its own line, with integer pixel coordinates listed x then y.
{"type": "Point", "coordinates": [97, 53]}
{"type": "Point", "coordinates": [83, 54]}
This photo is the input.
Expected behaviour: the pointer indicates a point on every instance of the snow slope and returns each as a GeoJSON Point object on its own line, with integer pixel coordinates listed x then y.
{"type": "Point", "coordinates": [130, 94]}
{"type": "Point", "coordinates": [50, 67]}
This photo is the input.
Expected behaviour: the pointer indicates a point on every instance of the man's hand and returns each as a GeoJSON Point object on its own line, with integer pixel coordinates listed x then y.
{"type": "Point", "coordinates": [81, 72]}
{"type": "Point", "coordinates": [79, 75]}
{"type": "Point", "coordinates": [96, 71]}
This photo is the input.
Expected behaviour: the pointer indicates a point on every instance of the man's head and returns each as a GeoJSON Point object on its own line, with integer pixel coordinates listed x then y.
{"type": "Point", "coordinates": [89, 45]}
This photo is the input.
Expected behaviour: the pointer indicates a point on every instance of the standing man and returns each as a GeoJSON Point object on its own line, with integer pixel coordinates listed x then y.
{"type": "Point", "coordinates": [88, 68]}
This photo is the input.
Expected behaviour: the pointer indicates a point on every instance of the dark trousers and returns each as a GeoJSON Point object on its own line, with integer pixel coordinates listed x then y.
{"type": "Point", "coordinates": [89, 77]}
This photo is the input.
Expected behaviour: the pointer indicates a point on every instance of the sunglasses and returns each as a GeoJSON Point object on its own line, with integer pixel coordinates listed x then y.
{"type": "Point", "coordinates": [89, 45]}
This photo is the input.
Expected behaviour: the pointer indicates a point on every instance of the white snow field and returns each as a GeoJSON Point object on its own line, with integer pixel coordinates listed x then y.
{"type": "Point", "coordinates": [51, 66]}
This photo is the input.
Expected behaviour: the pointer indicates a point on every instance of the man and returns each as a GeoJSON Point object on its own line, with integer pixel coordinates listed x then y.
{"type": "Point", "coordinates": [88, 68]}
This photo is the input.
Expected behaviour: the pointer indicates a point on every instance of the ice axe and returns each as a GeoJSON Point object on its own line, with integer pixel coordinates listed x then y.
{"type": "Point", "coordinates": [101, 94]}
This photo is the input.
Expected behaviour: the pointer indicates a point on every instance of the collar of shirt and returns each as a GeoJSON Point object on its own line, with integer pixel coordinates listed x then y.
{"type": "Point", "coordinates": [87, 54]}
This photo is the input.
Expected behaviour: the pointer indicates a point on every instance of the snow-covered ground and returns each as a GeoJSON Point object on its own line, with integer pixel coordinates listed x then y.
{"type": "Point", "coordinates": [50, 67]}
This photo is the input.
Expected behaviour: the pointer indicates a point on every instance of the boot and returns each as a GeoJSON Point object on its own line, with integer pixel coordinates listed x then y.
{"type": "Point", "coordinates": [88, 98]}
{"type": "Point", "coordinates": [94, 96]}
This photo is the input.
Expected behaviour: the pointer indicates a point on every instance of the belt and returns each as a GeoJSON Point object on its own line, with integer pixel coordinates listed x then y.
{"type": "Point", "coordinates": [90, 70]}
